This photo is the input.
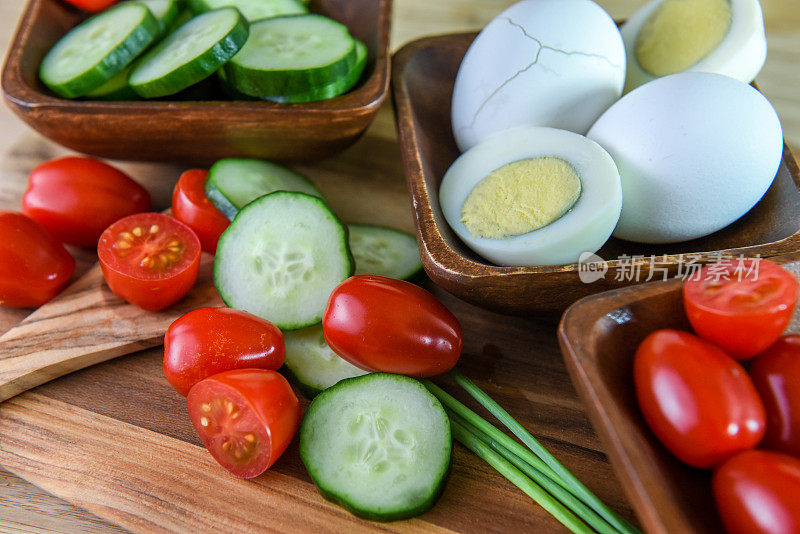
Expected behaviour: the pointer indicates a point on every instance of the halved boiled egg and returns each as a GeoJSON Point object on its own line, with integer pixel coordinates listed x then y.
{"type": "Point", "coordinates": [533, 196]}
{"type": "Point", "coordinates": [670, 36]}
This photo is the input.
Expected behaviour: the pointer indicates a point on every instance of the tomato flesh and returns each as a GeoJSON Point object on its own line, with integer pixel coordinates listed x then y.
{"type": "Point", "coordinates": [743, 306]}
{"type": "Point", "coordinates": [92, 5]}
{"type": "Point", "coordinates": [776, 375]}
{"type": "Point", "coordinates": [387, 325]}
{"type": "Point", "coordinates": [149, 259]}
{"type": "Point", "coordinates": [191, 206]}
{"type": "Point", "coordinates": [78, 198]}
{"type": "Point", "coordinates": [208, 341]}
{"type": "Point", "coordinates": [245, 417]}
{"type": "Point", "coordinates": [697, 400]}
{"type": "Point", "coordinates": [758, 492]}
{"type": "Point", "coordinates": [34, 266]}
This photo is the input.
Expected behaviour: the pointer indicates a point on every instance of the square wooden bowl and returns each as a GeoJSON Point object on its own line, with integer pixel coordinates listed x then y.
{"type": "Point", "coordinates": [209, 127]}
{"type": "Point", "coordinates": [599, 336]}
{"type": "Point", "coordinates": [423, 75]}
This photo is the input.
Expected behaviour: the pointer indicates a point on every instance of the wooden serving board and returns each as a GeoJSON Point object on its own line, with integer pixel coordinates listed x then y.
{"type": "Point", "coordinates": [116, 440]}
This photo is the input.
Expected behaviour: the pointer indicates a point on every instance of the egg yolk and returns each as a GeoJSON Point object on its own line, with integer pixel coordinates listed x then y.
{"type": "Point", "coordinates": [680, 33]}
{"type": "Point", "coordinates": [521, 197]}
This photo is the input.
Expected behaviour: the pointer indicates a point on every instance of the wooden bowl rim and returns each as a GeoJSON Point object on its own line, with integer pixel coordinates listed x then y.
{"type": "Point", "coordinates": [367, 98]}
{"type": "Point", "coordinates": [446, 262]}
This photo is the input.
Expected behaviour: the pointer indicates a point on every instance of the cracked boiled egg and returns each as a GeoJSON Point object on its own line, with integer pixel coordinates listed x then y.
{"type": "Point", "coordinates": [556, 63]}
{"type": "Point", "coordinates": [533, 196]}
{"type": "Point", "coordinates": [670, 36]}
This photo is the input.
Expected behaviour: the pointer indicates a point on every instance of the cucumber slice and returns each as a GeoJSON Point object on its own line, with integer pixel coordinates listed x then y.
{"type": "Point", "coordinates": [281, 257]}
{"type": "Point", "coordinates": [312, 363]}
{"type": "Point", "coordinates": [378, 445]}
{"type": "Point", "coordinates": [94, 51]}
{"type": "Point", "coordinates": [292, 54]}
{"type": "Point", "coordinates": [384, 251]}
{"type": "Point", "coordinates": [233, 183]}
{"type": "Point", "coordinates": [116, 88]}
{"type": "Point", "coordinates": [165, 11]}
{"type": "Point", "coordinates": [342, 85]}
{"type": "Point", "coordinates": [190, 54]}
{"type": "Point", "coordinates": [253, 10]}
{"type": "Point", "coordinates": [183, 17]}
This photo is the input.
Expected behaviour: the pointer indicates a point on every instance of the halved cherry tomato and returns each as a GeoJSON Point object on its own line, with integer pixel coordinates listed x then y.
{"type": "Point", "coordinates": [149, 259]}
{"type": "Point", "coordinates": [383, 324]}
{"type": "Point", "coordinates": [776, 375]}
{"type": "Point", "coordinates": [92, 5]}
{"type": "Point", "coordinates": [211, 340]}
{"type": "Point", "coordinates": [759, 492]}
{"type": "Point", "coordinates": [245, 417]}
{"type": "Point", "coordinates": [34, 266]}
{"type": "Point", "coordinates": [697, 400]}
{"type": "Point", "coordinates": [191, 206]}
{"type": "Point", "coordinates": [77, 198]}
{"type": "Point", "coordinates": [743, 306]}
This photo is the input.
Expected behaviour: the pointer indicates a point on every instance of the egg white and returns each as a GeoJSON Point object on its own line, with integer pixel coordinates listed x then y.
{"type": "Point", "coordinates": [740, 55]}
{"type": "Point", "coordinates": [585, 228]}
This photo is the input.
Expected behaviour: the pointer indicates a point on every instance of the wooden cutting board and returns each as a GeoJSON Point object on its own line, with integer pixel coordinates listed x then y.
{"type": "Point", "coordinates": [116, 440]}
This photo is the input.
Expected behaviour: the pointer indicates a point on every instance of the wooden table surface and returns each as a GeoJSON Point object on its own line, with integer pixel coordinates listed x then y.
{"type": "Point", "coordinates": [26, 508]}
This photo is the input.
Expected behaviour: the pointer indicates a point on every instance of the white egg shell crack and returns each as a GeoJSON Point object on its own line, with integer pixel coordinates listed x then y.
{"type": "Point", "coordinates": [740, 55]}
{"type": "Point", "coordinates": [584, 228]}
{"type": "Point", "coordinates": [556, 63]}
{"type": "Point", "coordinates": [695, 151]}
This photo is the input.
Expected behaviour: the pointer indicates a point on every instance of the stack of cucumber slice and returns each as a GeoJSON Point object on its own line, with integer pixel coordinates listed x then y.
{"type": "Point", "coordinates": [270, 49]}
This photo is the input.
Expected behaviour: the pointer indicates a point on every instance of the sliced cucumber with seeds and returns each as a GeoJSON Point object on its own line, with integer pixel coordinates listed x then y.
{"type": "Point", "coordinates": [384, 251]}
{"type": "Point", "coordinates": [312, 363]}
{"type": "Point", "coordinates": [94, 51]}
{"type": "Point", "coordinates": [116, 88]}
{"type": "Point", "coordinates": [234, 182]}
{"type": "Point", "coordinates": [165, 11]}
{"type": "Point", "coordinates": [190, 54]}
{"type": "Point", "coordinates": [379, 445]}
{"type": "Point", "coordinates": [281, 257]}
{"type": "Point", "coordinates": [341, 85]}
{"type": "Point", "coordinates": [253, 10]}
{"type": "Point", "coordinates": [290, 55]}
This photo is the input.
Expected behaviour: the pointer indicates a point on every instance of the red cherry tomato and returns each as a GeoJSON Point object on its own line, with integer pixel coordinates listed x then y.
{"type": "Point", "coordinates": [211, 340]}
{"type": "Point", "coordinates": [92, 5]}
{"type": "Point", "coordinates": [245, 417]}
{"type": "Point", "coordinates": [759, 492]}
{"type": "Point", "coordinates": [149, 259]}
{"type": "Point", "coordinates": [776, 375]}
{"type": "Point", "coordinates": [77, 198]}
{"type": "Point", "coordinates": [34, 267]}
{"type": "Point", "coordinates": [382, 324]}
{"type": "Point", "coordinates": [697, 400]}
{"type": "Point", "coordinates": [191, 206]}
{"type": "Point", "coordinates": [741, 306]}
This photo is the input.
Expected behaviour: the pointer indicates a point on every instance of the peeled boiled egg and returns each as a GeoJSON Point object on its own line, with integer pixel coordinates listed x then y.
{"type": "Point", "coordinates": [695, 152]}
{"type": "Point", "coordinates": [533, 196]}
{"type": "Point", "coordinates": [556, 63]}
{"type": "Point", "coordinates": [670, 36]}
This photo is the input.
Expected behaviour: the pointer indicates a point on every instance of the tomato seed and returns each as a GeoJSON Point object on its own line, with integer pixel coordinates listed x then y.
{"type": "Point", "coordinates": [154, 229]}
{"type": "Point", "coordinates": [205, 407]}
{"type": "Point", "coordinates": [138, 231]}
{"type": "Point", "coordinates": [204, 421]}
{"type": "Point", "coordinates": [251, 438]}
{"type": "Point", "coordinates": [123, 244]}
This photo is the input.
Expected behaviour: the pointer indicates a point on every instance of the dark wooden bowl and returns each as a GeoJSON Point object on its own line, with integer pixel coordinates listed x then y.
{"type": "Point", "coordinates": [599, 336]}
{"type": "Point", "coordinates": [423, 73]}
{"type": "Point", "coordinates": [207, 127]}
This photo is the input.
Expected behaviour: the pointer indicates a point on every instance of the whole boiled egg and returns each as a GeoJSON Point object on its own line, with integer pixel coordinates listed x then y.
{"type": "Point", "coordinates": [556, 63]}
{"type": "Point", "coordinates": [533, 196]}
{"type": "Point", "coordinates": [670, 36]}
{"type": "Point", "coordinates": [695, 152]}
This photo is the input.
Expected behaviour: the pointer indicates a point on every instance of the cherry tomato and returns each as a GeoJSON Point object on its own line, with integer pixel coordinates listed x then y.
{"type": "Point", "coordinates": [92, 5]}
{"type": "Point", "coordinates": [211, 340]}
{"type": "Point", "coordinates": [759, 492]}
{"type": "Point", "coordinates": [34, 267]}
{"type": "Point", "coordinates": [149, 259]}
{"type": "Point", "coordinates": [77, 198]}
{"type": "Point", "coordinates": [191, 206]}
{"type": "Point", "coordinates": [743, 306]}
{"type": "Point", "coordinates": [776, 375]}
{"type": "Point", "coordinates": [245, 417]}
{"type": "Point", "coordinates": [382, 324]}
{"type": "Point", "coordinates": [697, 400]}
